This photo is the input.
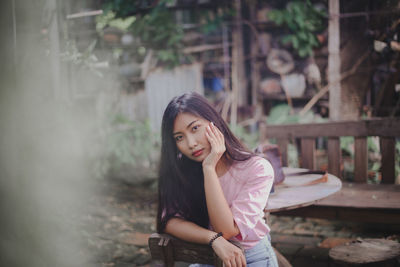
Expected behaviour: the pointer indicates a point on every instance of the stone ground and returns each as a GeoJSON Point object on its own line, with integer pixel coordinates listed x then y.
{"type": "Point", "coordinates": [121, 217]}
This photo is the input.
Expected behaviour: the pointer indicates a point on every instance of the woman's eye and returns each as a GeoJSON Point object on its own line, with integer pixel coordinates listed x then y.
{"type": "Point", "coordinates": [178, 138]}
{"type": "Point", "coordinates": [195, 127]}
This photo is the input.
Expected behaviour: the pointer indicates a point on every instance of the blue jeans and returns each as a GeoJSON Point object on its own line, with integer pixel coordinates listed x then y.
{"type": "Point", "coordinates": [261, 255]}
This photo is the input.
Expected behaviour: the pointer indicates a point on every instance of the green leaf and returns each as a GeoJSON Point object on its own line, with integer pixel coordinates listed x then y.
{"type": "Point", "coordinates": [295, 42]}
{"type": "Point", "coordinates": [287, 39]}
{"type": "Point", "coordinates": [279, 114]}
{"type": "Point", "coordinates": [302, 52]}
{"type": "Point", "coordinates": [302, 35]}
{"type": "Point", "coordinates": [276, 16]}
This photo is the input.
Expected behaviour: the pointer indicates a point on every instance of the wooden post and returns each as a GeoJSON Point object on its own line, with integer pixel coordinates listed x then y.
{"type": "Point", "coordinates": [360, 160]}
{"type": "Point", "coordinates": [227, 59]}
{"type": "Point", "coordinates": [334, 156]}
{"type": "Point", "coordinates": [334, 61]}
{"type": "Point", "coordinates": [255, 64]}
{"type": "Point", "coordinates": [307, 153]}
{"type": "Point", "coordinates": [283, 146]}
{"type": "Point", "coordinates": [235, 84]}
{"type": "Point", "coordinates": [168, 253]}
{"type": "Point", "coordinates": [239, 94]}
{"type": "Point", "coordinates": [388, 145]}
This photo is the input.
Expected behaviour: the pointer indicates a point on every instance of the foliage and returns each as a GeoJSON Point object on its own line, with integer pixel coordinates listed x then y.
{"type": "Point", "coordinates": [281, 114]}
{"type": "Point", "coordinates": [303, 20]}
{"type": "Point", "coordinates": [129, 145]}
{"type": "Point", "coordinates": [214, 22]}
{"type": "Point", "coordinates": [109, 19]}
{"type": "Point", "coordinates": [155, 26]}
{"type": "Point", "coordinates": [374, 156]}
{"type": "Point", "coordinates": [86, 59]}
{"type": "Point", "coordinates": [248, 138]}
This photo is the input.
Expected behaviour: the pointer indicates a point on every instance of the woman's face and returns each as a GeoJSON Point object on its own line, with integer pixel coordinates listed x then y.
{"type": "Point", "coordinates": [189, 134]}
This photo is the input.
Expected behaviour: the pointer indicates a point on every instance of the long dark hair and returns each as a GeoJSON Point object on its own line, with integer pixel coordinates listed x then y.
{"type": "Point", "coordinates": [181, 181]}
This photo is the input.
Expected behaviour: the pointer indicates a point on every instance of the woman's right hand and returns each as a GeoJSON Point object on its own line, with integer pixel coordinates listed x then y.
{"type": "Point", "coordinates": [231, 255]}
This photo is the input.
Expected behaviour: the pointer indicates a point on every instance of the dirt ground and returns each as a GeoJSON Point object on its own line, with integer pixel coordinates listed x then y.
{"type": "Point", "coordinates": [119, 221]}
{"type": "Point", "coordinates": [121, 217]}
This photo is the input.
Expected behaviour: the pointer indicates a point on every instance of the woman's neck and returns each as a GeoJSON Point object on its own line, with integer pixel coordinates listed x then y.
{"type": "Point", "coordinates": [222, 167]}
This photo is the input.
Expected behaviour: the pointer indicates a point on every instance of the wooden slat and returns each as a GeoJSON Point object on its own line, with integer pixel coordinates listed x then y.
{"type": "Point", "coordinates": [168, 253]}
{"type": "Point", "coordinates": [181, 251]}
{"type": "Point", "coordinates": [372, 127]}
{"type": "Point", "coordinates": [383, 216]}
{"type": "Point", "coordinates": [334, 156]}
{"type": "Point", "coordinates": [360, 159]}
{"type": "Point", "coordinates": [388, 127]}
{"type": "Point", "coordinates": [307, 153]}
{"type": "Point", "coordinates": [283, 146]}
{"type": "Point", "coordinates": [365, 196]}
{"type": "Point", "coordinates": [387, 145]}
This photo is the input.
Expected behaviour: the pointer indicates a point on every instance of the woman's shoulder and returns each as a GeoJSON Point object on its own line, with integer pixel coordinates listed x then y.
{"type": "Point", "coordinates": [255, 167]}
{"type": "Point", "coordinates": [253, 161]}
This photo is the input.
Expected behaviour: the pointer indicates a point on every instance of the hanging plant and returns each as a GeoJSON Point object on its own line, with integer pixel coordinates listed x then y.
{"type": "Point", "coordinates": [153, 24]}
{"type": "Point", "coordinates": [303, 21]}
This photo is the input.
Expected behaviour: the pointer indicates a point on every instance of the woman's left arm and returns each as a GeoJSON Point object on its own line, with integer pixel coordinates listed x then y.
{"type": "Point", "coordinates": [220, 214]}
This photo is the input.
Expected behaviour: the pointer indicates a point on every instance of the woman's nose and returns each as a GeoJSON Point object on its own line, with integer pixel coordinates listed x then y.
{"type": "Point", "coordinates": [192, 142]}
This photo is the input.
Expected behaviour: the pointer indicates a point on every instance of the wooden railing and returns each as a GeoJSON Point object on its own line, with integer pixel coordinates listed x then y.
{"type": "Point", "coordinates": [357, 201]}
{"type": "Point", "coordinates": [386, 129]}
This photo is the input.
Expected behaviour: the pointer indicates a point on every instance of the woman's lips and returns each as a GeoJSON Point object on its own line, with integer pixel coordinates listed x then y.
{"type": "Point", "coordinates": [197, 153]}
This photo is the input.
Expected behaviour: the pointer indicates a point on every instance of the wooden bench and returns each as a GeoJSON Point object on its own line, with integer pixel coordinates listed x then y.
{"type": "Point", "coordinates": [358, 200]}
{"type": "Point", "coordinates": [168, 249]}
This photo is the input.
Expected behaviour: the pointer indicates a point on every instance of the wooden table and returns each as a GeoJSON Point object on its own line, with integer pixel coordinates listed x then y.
{"type": "Point", "coordinates": [291, 194]}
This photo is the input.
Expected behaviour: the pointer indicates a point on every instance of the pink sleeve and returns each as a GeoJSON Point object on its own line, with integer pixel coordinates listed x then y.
{"type": "Point", "coordinates": [248, 207]}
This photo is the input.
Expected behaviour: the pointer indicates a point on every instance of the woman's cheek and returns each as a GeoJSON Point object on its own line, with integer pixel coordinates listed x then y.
{"type": "Point", "coordinates": [179, 146]}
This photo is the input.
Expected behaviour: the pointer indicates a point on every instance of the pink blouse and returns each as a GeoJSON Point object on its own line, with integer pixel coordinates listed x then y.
{"type": "Point", "coordinates": [246, 186]}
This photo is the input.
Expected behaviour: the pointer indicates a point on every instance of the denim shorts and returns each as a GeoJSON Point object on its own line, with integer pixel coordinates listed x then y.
{"type": "Point", "coordinates": [261, 255]}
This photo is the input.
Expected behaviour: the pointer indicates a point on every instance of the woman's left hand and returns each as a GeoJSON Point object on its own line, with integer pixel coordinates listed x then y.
{"type": "Point", "coordinates": [217, 142]}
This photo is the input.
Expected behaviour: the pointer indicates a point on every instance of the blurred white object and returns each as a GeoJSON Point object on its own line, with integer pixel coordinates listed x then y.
{"type": "Point", "coordinates": [127, 39]}
{"type": "Point", "coordinates": [313, 74]}
{"type": "Point", "coordinates": [397, 88]}
{"type": "Point", "coordinates": [294, 84]}
{"type": "Point", "coordinates": [280, 61]}
{"type": "Point", "coordinates": [379, 45]}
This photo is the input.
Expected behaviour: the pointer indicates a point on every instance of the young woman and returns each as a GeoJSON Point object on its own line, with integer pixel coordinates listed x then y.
{"type": "Point", "coordinates": [211, 189]}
